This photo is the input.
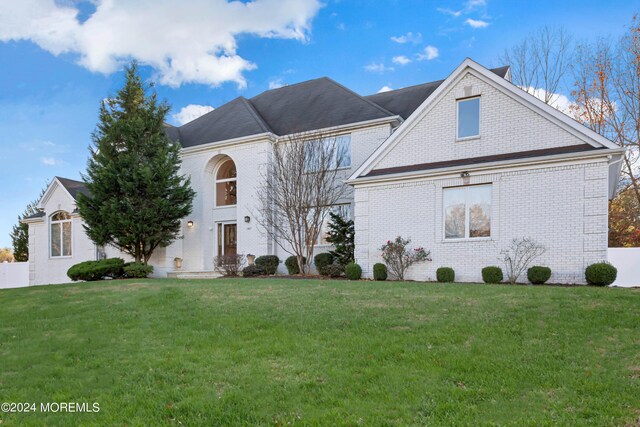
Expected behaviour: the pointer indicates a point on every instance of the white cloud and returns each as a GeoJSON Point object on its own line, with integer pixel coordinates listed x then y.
{"type": "Point", "coordinates": [408, 38]}
{"type": "Point", "coordinates": [401, 60]}
{"type": "Point", "coordinates": [430, 52]}
{"type": "Point", "coordinates": [186, 42]}
{"type": "Point", "coordinates": [558, 101]}
{"type": "Point", "coordinates": [476, 23]}
{"type": "Point", "coordinates": [469, 7]}
{"type": "Point", "coordinates": [50, 161]}
{"type": "Point", "coordinates": [377, 68]}
{"type": "Point", "coordinates": [446, 11]}
{"type": "Point", "coordinates": [385, 89]}
{"type": "Point", "coordinates": [191, 112]}
{"type": "Point", "coordinates": [275, 84]}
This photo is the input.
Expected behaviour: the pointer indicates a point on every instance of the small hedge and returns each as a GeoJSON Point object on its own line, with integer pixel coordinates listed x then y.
{"type": "Point", "coordinates": [492, 274]}
{"type": "Point", "coordinates": [322, 260]}
{"type": "Point", "coordinates": [97, 270]}
{"type": "Point", "coordinates": [538, 275]}
{"type": "Point", "coordinates": [253, 271]}
{"type": "Point", "coordinates": [601, 274]}
{"type": "Point", "coordinates": [333, 270]}
{"type": "Point", "coordinates": [353, 271]}
{"type": "Point", "coordinates": [292, 264]}
{"type": "Point", "coordinates": [380, 272]}
{"type": "Point", "coordinates": [445, 275]}
{"type": "Point", "coordinates": [137, 270]}
{"type": "Point", "coordinates": [269, 263]}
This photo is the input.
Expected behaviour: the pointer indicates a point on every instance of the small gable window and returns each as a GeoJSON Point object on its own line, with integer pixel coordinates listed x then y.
{"type": "Point", "coordinates": [60, 234]}
{"type": "Point", "coordinates": [469, 118]}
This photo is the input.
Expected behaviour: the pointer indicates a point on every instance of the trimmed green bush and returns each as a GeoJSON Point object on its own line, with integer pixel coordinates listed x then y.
{"type": "Point", "coordinates": [601, 274]}
{"type": "Point", "coordinates": [492, 274]}
{"type": "Point", "coordinates": [353, 271]}
{"type": "Point", "coordinates": [322, 260]}
{"type": "Point", "coordinates": [380, 271]}
{"type": "Point", "coordinates": [137, 270]}
{"type": "Point", "coordinates": [97, 270]}
{"type": "Point", "coordinates": [269, 263]}
{"type": "Point", "coordinates": [292, 264]}
{"type": "Point", "coordinates": [445, 275]}
{"type": "Point", "coordinates": [333, 270]}
{"type": "Point", "coordinates": [253, 271]}
{"type": "Point", "coordinates": [538, 275]}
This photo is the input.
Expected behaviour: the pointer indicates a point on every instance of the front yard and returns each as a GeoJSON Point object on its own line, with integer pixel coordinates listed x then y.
{"type": "Point", "coordinates": [271, 352]}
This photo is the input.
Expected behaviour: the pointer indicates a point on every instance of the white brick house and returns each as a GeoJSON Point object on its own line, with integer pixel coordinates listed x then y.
{"type": "Point", "coordinates": [518, 168]}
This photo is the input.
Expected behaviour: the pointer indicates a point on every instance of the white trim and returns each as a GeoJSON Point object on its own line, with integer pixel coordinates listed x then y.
{"type": "Point", "coordinates": [470, 66]}
{"type": "Point", "coordinates": [61, 222]}
{"type": "Point", "coordinates": [467, 215]}
{"type": "Point", "coordinates": [217, 242]}
{"type": "Point", "coordinates": [458, 102]}
{"type": "Point", "coordinates": [216, 181]}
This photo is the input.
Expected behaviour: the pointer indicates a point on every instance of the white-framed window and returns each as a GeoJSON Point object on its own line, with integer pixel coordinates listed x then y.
{"type": "Point", "coordinates": [226, 184]}
{"type": "Point", "coordinates": [341, 152]}
{"type": "Point", "coordinates": [344, 211]}
{"type": "Point", "coordinates": [467, 212]}
{"type": "Point", "coordinates": [60, 234]}
{"type": "Point", "coordinates": [468, 118]}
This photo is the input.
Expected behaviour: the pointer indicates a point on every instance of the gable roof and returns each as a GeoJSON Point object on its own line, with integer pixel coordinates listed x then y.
{"type": "Point", "coordinates": [405, 101]}
{"type": "Point", "coordinates": [73, 187]}
{"type": "Point", "coordinates": [468, 65]}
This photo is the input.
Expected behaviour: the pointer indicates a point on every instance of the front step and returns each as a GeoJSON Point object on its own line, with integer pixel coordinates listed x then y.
{"type": "Point", "coordinates": [193, 275]}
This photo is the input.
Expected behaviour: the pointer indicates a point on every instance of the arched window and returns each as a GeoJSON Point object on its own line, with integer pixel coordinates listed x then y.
{"type": "Point", "coordinates": [226, 184]}
{"type": "Point", "coordinates": [60, 234]}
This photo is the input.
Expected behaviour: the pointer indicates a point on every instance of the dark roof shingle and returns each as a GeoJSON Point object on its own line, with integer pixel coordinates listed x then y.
{"type": "Point", "coordinates": [73, 187]}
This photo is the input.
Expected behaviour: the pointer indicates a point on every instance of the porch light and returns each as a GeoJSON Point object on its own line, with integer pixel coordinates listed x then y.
{"type": "Point", "coordinates": [247, 218]}
{"type": "Point", "coordinates": [190, 224]}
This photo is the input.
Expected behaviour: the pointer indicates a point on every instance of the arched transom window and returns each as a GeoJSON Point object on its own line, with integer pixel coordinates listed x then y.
{"type": "Point", "coordinates": [226, 184]}
{"type": "Point", "coordinates": [60, 234]}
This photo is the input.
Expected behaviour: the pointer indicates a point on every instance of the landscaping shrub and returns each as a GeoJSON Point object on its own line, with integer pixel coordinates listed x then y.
{"type": "Point", "coordinates": [137, 270]}
{"type": "Point", "coordinates": [445, 275]}
{"type": "Point", "coordinates": [538, 275]}
{"type": "Point", "coordinates": [322, 260]}
{"type": "Point", "coordinates": [398, 257]}
{"type": "Point", "coordinates": [353, 271]}
{"type": "Point", "coordinates": [379, 271]}
{"type": "Point", "coordinates": [601, 274]}
{"type": "Point", "coordinates": [333, 270]}
{"type": "Point", "coordinates": [292, 264]}
{"type": "Point", "coordinates": [230, 265]}
{"type": "Point", "coordinates": [269, 263]}
{"type": "Point", "coordinates": [492, 274]}
{"type": "Point", "coordinates": [97, 270]}
{"type": "Point", "coordinates": [253, 270]}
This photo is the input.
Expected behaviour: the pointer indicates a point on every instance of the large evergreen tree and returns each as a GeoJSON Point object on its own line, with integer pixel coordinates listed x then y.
{"type": "Point", "coordinates": [136, 195]}
{"type": "Point", "coordinates": [20, 232]}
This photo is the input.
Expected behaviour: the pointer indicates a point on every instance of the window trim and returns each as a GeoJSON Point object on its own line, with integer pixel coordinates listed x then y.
{"type": "Point", "coordinates": [217, 181]}
{"type": "Point", "coordinates": [51, 222]}
{"type": "Point", "coordinates": [460, 100]}
{"type": "Point", "coordinates": [466, 237]}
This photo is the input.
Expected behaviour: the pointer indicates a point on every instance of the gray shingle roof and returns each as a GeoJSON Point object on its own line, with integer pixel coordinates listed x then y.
{"type": "Point", "coordinates": [73, 187]}
{"type": "Point", "coordinates": [310, 105]}
{"type": "Point", "coordinates": [35, 216]}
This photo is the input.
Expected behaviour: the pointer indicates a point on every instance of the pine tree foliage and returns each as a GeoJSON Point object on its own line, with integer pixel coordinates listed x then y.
{"type": "Point", "coordinates": [342, 237]}
{"type": "Point", "coordinates": [137, 196]}
{"type": "Point", "coordinates": [20, 232]}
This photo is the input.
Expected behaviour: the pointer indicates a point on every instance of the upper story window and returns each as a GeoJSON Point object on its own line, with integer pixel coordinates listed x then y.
{"type": "Point", "coordinates": [226, 179]}
{"type": "Point", "coordinates": [343, 151]}
{"type": "Point", "coordinates": [338, 146]}
{"type": "Point", "coordinates": [468, 118]}
{"type": "Point", "coordinates": [60, 234]}
{"type": "Point", "coordinates": [467, 212]}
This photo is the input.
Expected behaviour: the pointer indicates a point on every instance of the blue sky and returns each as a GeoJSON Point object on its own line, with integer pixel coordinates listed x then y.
{"type": "Point", "coordinates": [59, 59]}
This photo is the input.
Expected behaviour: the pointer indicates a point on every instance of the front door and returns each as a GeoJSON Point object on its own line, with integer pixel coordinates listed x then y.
{"type": "Point", "coordinates": [227, 239]}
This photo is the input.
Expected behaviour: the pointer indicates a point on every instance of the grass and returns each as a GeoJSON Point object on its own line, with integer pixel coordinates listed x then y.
{"type": "Point", "coordinates": [313, 352]}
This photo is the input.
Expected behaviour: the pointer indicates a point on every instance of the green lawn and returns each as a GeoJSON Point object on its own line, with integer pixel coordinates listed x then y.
{"type": "Point", "coordinates": [311, 352]}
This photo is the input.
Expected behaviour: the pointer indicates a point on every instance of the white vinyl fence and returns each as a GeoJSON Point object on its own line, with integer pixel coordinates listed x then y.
{"type": "Point", "coordinates": [14, 274]}
{"type": "Point", "coordinates": [627, 261]}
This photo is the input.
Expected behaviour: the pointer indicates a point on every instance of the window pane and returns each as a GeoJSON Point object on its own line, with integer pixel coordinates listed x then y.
{"type": "Point", "coordinates": [66, 238]}
{"type": "Point", "coordinates": [60, 216]}
{"type": "Point", "coordinates": [454, 213]}
{"type": "Point", "coordinates": [226, 193]}
{"type": "Point", "coordinates": [479, 199]}
{"type": "Point", "coordinates": [227, 170]}
{"type": "Point", "coordinates": [343, 151]}
{"type": "Point", "coordinates": [55, 240]}
{"type": "Point", "coordinates": [469, 118]}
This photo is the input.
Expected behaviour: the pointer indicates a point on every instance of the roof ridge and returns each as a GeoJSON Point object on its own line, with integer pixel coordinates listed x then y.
{"type": "Point", "coordinates": [405, 88]}
{"type": "Point", "coordinates": [60, 178]}
{"type": "Point", "coordinates": [252, 110]}
{"type": "Point", "coordinates": [368, 101]}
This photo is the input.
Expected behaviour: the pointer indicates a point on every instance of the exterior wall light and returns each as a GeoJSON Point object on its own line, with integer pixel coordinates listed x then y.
{"type": "Point", "coordinates": [247, 218]}
{"type": "Point", "coordinates": [190, 224]}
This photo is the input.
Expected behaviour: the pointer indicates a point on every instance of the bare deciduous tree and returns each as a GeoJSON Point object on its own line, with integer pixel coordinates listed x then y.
{"type": "Point", "coordinates": [519, 255]}
{"type": "Point", "coordinates": [607, 96]}
{"type": "Point", "coordinates": [540, 62]}
{"type": "Point", "coordinates": [301, 184]}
